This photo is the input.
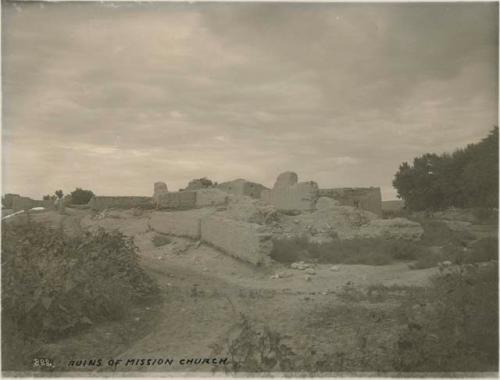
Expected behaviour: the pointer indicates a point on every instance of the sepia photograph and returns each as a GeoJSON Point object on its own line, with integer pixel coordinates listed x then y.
{"type": "Point", "coordinates": [249, 189]}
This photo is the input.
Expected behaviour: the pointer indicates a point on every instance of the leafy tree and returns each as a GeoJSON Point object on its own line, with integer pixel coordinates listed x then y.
{"type": "Point", "coordinates": [80, 196]}
{"type": "Point", "coordinates": [466, 178]}
{"type": "Point", "coordinates": [199, 183]}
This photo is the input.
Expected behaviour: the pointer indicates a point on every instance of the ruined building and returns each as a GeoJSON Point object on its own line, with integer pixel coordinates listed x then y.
{"type": "Point", "coordinates": [242, 187]}
{"type": "Point", "coordinates": [365, 198]}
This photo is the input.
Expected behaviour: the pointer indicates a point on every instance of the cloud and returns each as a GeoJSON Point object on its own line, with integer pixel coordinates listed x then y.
{"type": "Point", "coordinates": [97, 95]}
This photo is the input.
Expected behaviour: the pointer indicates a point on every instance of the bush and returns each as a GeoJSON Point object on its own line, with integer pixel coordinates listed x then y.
{"type": "Point", "coordinates": [81, 197]}
{"type": "Point", "coordinates": [290, 250]}
{"type": "Point", "coordinates": [438, 233]}
{"type": "Point", "coordinates": [255, 349]}
{"type": "Point", "coordinates": [483, 250]}
{"type": "Point", "coordinates": [485, 215]}
{"type": "Point", "coordinates": [369, 251]}
{"type": "Point", "coordinates": [161, 240]}
{"type": "Point", "coordinates": [53, 285]}
{"type": "Point", "coordinates": [453, 326]}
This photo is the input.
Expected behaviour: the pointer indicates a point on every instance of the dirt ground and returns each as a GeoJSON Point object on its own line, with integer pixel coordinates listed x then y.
{"type": "Point", "coordinates": [203, 294]}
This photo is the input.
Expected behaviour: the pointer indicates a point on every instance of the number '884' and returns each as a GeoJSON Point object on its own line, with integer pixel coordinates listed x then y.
{"type": "Point", "coordinates": [43, 362]}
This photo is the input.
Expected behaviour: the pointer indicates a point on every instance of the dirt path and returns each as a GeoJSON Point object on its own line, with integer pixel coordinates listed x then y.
{"type": "Point", "coordinates": [205, 292]}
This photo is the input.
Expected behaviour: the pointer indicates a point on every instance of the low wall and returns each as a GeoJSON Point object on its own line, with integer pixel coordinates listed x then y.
{"type": "Point", "coordinates": [179, 223]}
{"type": "Point", "coordinates": [104, 202]}
{"type": "Point", "coordinates": [210, 197]}
{"type": "Point", "coordinates": [8, 200]}
{"type": "Point", "coordinates": [179, 200]}
{"type": "Point", "coordinates": [246, 241]}
{"type": "Point", "coordinates": [393, 206]}
{"type": "Point", "coordinates": [242, 187]}
{"type": "Point", "coordinates": [365, 198]}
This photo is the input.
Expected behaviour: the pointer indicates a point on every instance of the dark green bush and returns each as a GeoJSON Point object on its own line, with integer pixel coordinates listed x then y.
{"type": "Point", "coordinates": [161, 240]}
{"type": "Point", "coordinates": [255, 349]}
{"type": "Point", "coordinates": [290, 250]}
{"type": "Point", "coordinates": [53, 284]}
{"type": "Point", "coordinates": [437, 233]}
{"type": "Point", "coordinates": [453, 325]}
{"type": "Point", "coordinates": [370, 251]}
{"type": "Point", "coordinates": [483, 250]}
{"type": "Point", "coordinates": [80, 196]}
{"type": "Point", "coordinates": [485, 215]}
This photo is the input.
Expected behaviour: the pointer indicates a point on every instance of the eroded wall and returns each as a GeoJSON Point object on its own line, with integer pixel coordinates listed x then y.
{"type": "Point", "coordinates": [242, 187]}
{"type": "Point", "coordinates": [288, 195]}
{"type": "Point", "coordinates": [369, 198]}
{"type": "Point", "coordinates": [177, 200]}
{"type": "Point", "coordinates": [246, 241]}
{"type": "Point", "coordinates": [103, 202]}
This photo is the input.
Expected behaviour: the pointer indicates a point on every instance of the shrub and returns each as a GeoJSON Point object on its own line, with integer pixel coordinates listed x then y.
{"type": "Point", "coordinates": [290, 250]}
{"type": "Point", "coordinates": [438, 233]}
{"type": "Point", "coordinates": [427, 259]}
{"type": "Point", "coordinates": [483, 250]}
{"type": "Point", "coordinates": [53, 284]}
{"type": "Point", "coordinates": [161, 240]}
{"type": "Point", "coordinates": [256, 349]}
{"type": "Point", "coordinates": [453, 326]}
{"type": "Point", "coordinates": [81, 197]}
{"type": "Point", "coordinates": [369, 251]}
{"type": "Point", "coordinates": [485, 215]}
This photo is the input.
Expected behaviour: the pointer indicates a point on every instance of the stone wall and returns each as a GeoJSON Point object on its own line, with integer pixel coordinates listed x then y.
{"type": "Point", "coordinates": [246, 241]}
{"type": "Point", "coordinates": [242, 187]}
{"type": "Point", "coordinates": [178, 200]}
{"type": "Point", "coordinates": [104, 202]}
{"type": "Point", "coordinates": [369, 198]}
{"type": "Point", "coordinates": [288, 195]}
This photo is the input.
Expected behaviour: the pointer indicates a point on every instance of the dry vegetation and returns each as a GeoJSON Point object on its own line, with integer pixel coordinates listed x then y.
{"type": "Point", "coordinates": [54, 285]}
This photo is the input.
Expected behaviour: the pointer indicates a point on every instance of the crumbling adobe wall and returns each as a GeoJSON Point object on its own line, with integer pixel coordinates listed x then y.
{"type": "Point", "coordinates": [178, 200]}
{"type": "Point", "coordinates": [8, 200]}
{"type": "Point", "coordinates": [179, 223]}
{"type": "Point", "coordinates": [369, 198]}
{"type": "Point", "coordinates": [210, 197]}
{"type": "Point", "coordinates": [246, 241]}
{"type": "Point", "coordinates": [103, 202]}
{"type": "Point", "coordinates": [242, 187]}
{"type": "Point", "coordinates": [288, 195]}
{"type": "Point", "coordinates": [159, 188]}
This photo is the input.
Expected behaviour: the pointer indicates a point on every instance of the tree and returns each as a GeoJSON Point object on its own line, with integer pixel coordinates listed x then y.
{"type": "Point", "coordinates": [466, 178]}
{"type": "Point", "coordinates": [81, 197]}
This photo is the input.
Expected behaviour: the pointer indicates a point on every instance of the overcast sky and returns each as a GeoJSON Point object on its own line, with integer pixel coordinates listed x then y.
{"type": "Point", "coordinates": [115, 97]}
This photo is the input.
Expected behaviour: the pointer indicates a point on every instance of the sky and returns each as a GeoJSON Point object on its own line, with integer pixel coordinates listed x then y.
{"type": "Point", "coordinates": [114, 97]}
